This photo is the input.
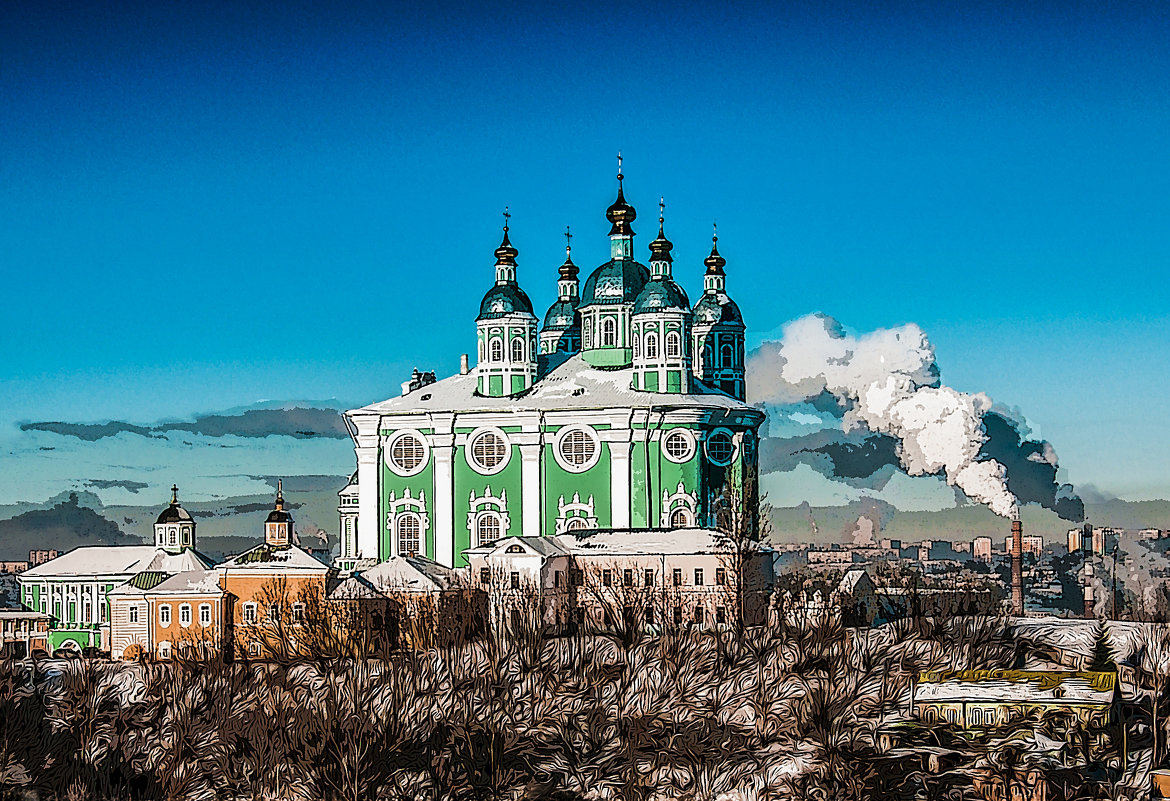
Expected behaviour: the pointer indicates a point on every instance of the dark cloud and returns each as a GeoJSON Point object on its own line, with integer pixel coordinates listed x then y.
{"type": "Point", "coordinates": [859, 458]}
{"type": "Point", "coordinates": [297, 422]}
{"type": "Point", "coordinates": [1031, 467]}
{"type": "Point", "coordinates": [130, 486]}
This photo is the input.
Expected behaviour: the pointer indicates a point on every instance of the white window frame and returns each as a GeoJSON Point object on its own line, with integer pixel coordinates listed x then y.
{"type": "Point", "coordinates": [298, 613]}
{"type": "Point", "coordinates": [474, 438]}
{"type": "Point", "coordinates": [482, 518]}
{"type": "Point", "coordinates": [185, 612]}
{"type": "Point", "coordinates": [204, 615]}
{"type": "Point", "coordinates": [676, 434]}
{"type": "Point", "coordinates": [401, 518]}
{"type": "Point", "coordinates": [609, 332]}
{"type": "Point", "coordinates": [250, 613]}
{"type": "Point", "coordinates": [132, 614]}
{"type": "Point", "coordinates": [517, 344]}
{"type": "Point", "coordinates": [566, 464]}
{"type": "Point", "coordinates": [164, 614]}
{"type": "Point", "coordinates": [388, 453]}
{"type": "Point", "coordinates": [673, 345]}
{"type": "Point", "coordinates": [164, 649]}
{"type": "Point", "coordinates": [496, 349]}
{"type": "Point", "coordinates": [651, 345]}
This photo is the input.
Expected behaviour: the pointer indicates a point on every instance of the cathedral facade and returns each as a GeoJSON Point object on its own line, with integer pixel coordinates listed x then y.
{"type": "Point", "coordinates": [623, 408]}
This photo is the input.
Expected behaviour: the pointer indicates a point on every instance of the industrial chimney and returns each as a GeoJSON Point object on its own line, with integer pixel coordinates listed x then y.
{"type": "Point", "coordinates": [1090, 612]}
{"type": "Point", "coordinates": [1017, 567]}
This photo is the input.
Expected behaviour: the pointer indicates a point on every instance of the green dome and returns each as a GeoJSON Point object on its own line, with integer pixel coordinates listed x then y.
{"type": "Point", "coordinates": [716, 307]}
{"type": "Point", "coordinates": [502, 300]}
{"type": "Point", "coordinates": [561, 316]}
{"type": "Point", "coordinates": [616, 281]}
{"type": "Point", "coordinates": [659, 295]}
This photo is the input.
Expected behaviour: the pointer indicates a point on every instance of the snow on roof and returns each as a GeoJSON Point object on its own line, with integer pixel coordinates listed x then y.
{"type": "Point", "coordinates": [190, 581]}
{"type": "Point", "coordinates": [410, 573]}
{"type": "Point", "coordinates": [353, 588]}
{"type": "Point", "coordinates": [1077, 636]}
{"type": "Point", "coordinates": [97, 560]}
{"type": "Point", "coordinates": [22, 614]}
{"type": "Point", "coordinates": [851, 579]}
{"type": "Point", "coordinates": [267, 557]}
{"type": "Point", "coordinates": [630, 542]}
{"type": "Point", "coordinates": [1022, 686]}
{"type": "Point", "coordinates": [574, 384]}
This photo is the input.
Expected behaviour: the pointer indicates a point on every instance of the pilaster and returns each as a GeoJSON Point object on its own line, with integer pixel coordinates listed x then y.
{"type": "Point", "coordinates": [366, 449]}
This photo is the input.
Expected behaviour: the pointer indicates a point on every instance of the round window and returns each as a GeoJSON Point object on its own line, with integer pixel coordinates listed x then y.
{"type": "Point", "coordinates": [679, 445]}
{"type": "Point", "coordinates": [720, 447]}
{"type": "Point", "coordinates": [406, 453]}
{"type": "Point", "coordinates": [488, 451]}
{"type": "Point", "coordinates": [577, 449]}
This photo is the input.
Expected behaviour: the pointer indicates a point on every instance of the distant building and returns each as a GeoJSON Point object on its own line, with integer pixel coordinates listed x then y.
{"type": "Point", "coordinates": [829, 556]}
{"type": "Point", "coordinates": [981, 549]}
{"type": "Point", "coordinates": [13, 567]}
{"type": "Point", "coordinates": [1030, 543]}
{"type": "Point", "coordinates": [23, 633]}
{"type": "Point", "coordinates": [41, 556]}
{"type": "Point", "coordinates": [982, 699]}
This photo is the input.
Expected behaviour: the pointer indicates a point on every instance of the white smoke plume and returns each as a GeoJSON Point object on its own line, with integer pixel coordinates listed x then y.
{"type": "Point", "coordinates": [887, 382]}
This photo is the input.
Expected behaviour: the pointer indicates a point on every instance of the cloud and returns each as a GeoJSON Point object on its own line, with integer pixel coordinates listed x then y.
{"type": "Point", "coordinates": [297, 422]}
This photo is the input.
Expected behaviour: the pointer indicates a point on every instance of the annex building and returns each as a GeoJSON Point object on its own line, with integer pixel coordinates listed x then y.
{"type": "Point", "coordinates": [622, 408]}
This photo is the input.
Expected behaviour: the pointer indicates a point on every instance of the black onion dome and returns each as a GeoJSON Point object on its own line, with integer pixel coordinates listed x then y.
{"type": "Point", "coordinates": [616, 281]}
{"type": "Point", "coordinates": [502, 300]}
{"type": "Point", "coordinates": [660, 248]}
{"type": "Point", "coordinates": [715, 262]}
{"type": "Point", "coordinates": [561, 316]}
{"type": "Point", "coordinates": [716, 307]}
{"type": "Point", "coordinates": [621, 214]}
{"type": "Point", "coordinates": [661, 295]}
{"type": "Point", "coordinates": [174, 514]}
{"type": "Point", "coordinates": [279, 516]}
{"type": "Point", "coordinates": [505, 253]}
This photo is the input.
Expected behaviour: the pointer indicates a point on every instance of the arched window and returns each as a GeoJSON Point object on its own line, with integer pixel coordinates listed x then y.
{"type": "Point", "coordinates": [652, 346]}
{"type": "Point", "coordinates": [672, 344]}
{"type": "Point", "coordinates": [409, 529]}
{"type": "Point", "coordinates": [482, 351]}
{"type": "Point", "coordinates": [708, 355]}
{"type": "Point", "coordinates": [680, 518]}
{"type": "Point", "coordinates": [497, 350]}
{"type": "Point", "coordinates": [514, 549]}
{"type": "Point", "coordinates": [608, 332]}
{"type": "Point", "coordinates": [487, 528]}
{"type": "Point", "coordinates": [727, 355]}
{"type": "Point", "coordinates": [637, 343]}
{"type": "Point", "coordinates": [577, 524]}
{"type": "Point", "coordinates": [517, 349]}
{"type": "Point", "coordinates": [588, 333]}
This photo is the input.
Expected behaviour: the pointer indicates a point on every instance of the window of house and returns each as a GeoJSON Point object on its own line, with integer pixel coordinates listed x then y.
{"type": "Point", "coordinates": [720, 615]}
{"type": "Point", "coordinates": [678, 616]}
{"type": "Point", "coordinates": [608, 332]}
{"type": "Point", "coordinates": [698, 577]}
{"type": "Point", "coordinates": [487, 528]}
{"type": "Point", "coordinates": [485, 576]}
{"type": "Point", "coordinates": [409, 534]}
{"type": "Point", "coordinates": [514, 549]}
{"type": "Point", "coordinates": [132, 614]}
{"type": "Point", "coordinates": [677, 577]}
{"type": "Point", "coordinates": [578, 576]}
{"type": "Point", "coordinates": [576, 524]}
{"type": "Point", "coordinates": [727, 355]}
{"type": "Point", "coordinates": [407, 454]}
{"type": "Point", "coordinates": [637, 344]}
{"type": "Point", "coordinates": [720, 447]}
{"type": "Point", "coordinates": [588, 333]}
{"type": "Point", "coordinates": [649, 615]}
{"type": "Point", "coordinates": [651, 345]}
{"type": "Point", "coordinates": [205, 615]}
{"type": "Point", "coordinates": [720, 576]}
{"type": "Point", "coordinates": [274, 613]}
{"type": "Point", "coordinates": [105, 611]}
{"type": "Point", "coordinates": [164, 649]}
{"type": "Point", "coordinates": [607, 578]}
{"type": "Point", "coordinates": [488, 451]}
{"type": "Point", "coordinates": [254, 649]}
{"type": "Point", "coordinates": [515, 580]}
{"type": "Point", "coordinates": [627, 578]}
{"type": "Point", "coordinates": [497, 348]}
{"type": "Point", "coordinates": [699, 615]}
{"type": "Point", "coordinates": [672, 344]}
{"type": "Point", "coordinates": [164, 614]}
{"type": "Point", "coordinates": [185, 614]}
{"type": "Point", "coordinates": [648, 578]}
{"type": "Point", "coordinates": [557, 578]}
{"type": "Point", "coordinates": [298, 613]}
{"type": "Point", "coordinates": [250, 613]}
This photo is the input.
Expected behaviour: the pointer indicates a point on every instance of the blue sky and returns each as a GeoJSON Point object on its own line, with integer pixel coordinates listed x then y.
{"type": "Point", "coordinates": [204, 207]}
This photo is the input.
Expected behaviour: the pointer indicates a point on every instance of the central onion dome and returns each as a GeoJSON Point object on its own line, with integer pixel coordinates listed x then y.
{"type": "Point", "coordinates": [621, 214]}
{"type": "Point", "coordinates": [621, 278]}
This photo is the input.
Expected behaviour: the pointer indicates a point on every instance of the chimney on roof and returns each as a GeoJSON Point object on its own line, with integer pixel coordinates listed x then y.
{"type": "Point", "coordinates": [1017, 547]}
{"type": "Point", "coordinates": [464, 367]}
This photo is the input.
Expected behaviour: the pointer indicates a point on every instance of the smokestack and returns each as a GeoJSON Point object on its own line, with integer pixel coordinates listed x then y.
{"type": "Point", "coordinates": [464, 368]}
{"type": "Point", "coordinates": [1088, 590]}
{"type": "Point", "coordinates": [1017, 567]}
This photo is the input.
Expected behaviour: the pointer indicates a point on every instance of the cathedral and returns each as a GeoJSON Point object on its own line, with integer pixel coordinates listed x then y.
{"type": "Point", "coordinates": [623, 409]}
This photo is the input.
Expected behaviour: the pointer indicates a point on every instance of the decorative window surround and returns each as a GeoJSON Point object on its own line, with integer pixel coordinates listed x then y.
{"type": "Point", "coordinates": [575, 515]}
{"type": "Point", "coordinates": [484, 505]}
{"type": "Point", "coordinates": [679, 500]}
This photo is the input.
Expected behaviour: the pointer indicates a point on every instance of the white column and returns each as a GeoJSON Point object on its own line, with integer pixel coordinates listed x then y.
{"type": "Point", "coordinates": [368, 524]}
{"type": "Point", "coordinates": [530, 487]}
{"type": "Point", "coordinates": [619, 487]}
{"type": "Point", "coordinates": [443, 503]}
{"type": "Point", "coordinates": [94, 611]}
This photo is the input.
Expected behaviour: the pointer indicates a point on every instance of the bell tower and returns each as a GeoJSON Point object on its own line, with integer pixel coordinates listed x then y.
{"type": "Point", "coordinates": [278, 528]}
{"type": "Point", "coordinates": [175, 528]}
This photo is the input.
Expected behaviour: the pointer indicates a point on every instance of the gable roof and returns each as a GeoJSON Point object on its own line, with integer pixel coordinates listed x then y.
{"type": "Point", "coordinates": [194, 582]}
{"type": "Point", "coordinates": [573, 384]}
{"type": "Point", "coordinates": [542, 546]}
{"type": "Point", "coordinates": [354, 588]}
{"type": "Point", "coordinates": [410, 574]}
{"type": "Point", "coordinates": [274, 557]}
{"type": "Point", "coordinates": [103, 560]}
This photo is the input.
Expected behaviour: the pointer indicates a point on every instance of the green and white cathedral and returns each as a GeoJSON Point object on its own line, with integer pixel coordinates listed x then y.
{"type": "Point", "coordinates": [625, 409]}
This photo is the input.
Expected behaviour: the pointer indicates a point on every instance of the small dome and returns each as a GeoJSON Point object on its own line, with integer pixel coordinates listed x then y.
{"type": "Point", "coordinates": [621, 214]}
{"type": "Point", "coordinates": [661, 295]}
{"type": "Point", "coordinates": [660, 248]}
{"type": "Point", "coordinates": [502, 300]}
{"type": "Point", "coordinates": [174, 513]}
{"type": "Point", "coordinates": [561, 316]}
{"type": "Point", "coordinates": [279, 516]}
{"type": "Point", "coordinates": [715, 263]}
{"type": "Point", "coordinates": [716, 307]}
{"type": "Point", "coordinates": [616, 281]}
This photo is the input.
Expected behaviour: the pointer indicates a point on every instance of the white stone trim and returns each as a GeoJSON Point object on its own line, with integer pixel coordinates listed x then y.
{"type": "Point", "coordinates": [478, 468]}
{"type": "Point", "coordinates": [443, 455]}
{"type": "Point", "coordinates": [583, 508]}
{"type": "Point", "coordinates": [679, 499]}
{"type": "Point", "coordinates": [487, 504]}
{"type": "Point", "coordinates": [684, 433]}
{"type": "Point", "coordinates": [530, 486]}
{"type": "Point", "coordinates": [396, 507]}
